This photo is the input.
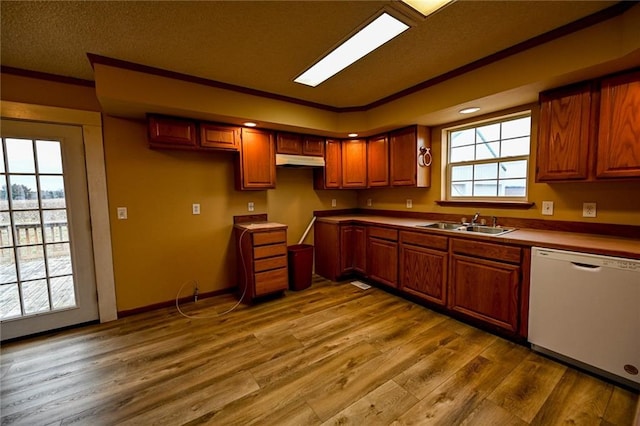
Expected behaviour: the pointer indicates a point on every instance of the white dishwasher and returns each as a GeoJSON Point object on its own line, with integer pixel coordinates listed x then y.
{"type": "Point", "coordinates": [585, 310]}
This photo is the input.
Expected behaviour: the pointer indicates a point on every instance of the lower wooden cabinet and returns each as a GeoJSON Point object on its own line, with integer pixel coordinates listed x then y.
{"type": "Point", "coordinates": [262, 260]}
{"type": "Point", "coordinates": [423, 266]}
{"type": "Point", "coordinates": [382, 255]}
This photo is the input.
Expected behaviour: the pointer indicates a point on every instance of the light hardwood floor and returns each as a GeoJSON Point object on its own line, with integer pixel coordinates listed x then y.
{"type": "Point", "coordinates": [331, 354]}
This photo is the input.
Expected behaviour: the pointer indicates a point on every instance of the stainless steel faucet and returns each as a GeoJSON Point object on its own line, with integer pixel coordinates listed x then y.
{"type": "Point", "coordinates": [475, 218]}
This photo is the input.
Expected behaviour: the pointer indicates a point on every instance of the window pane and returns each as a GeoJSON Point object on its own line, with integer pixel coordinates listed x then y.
{"type": "Point", "coordinates": [461, 173]}
{"type": "Point", "coordinates": [5, 230]}
{"type": "Point", "coordinates": [24, 192]}
{"type": "Point", "coordinates": [31, 263]}
{"type": "Point", "coordinates": [513, 169]}
{"type": "Point", "coordinates": [485, 171]}
{"type": "Point", "coordinates": [464, 153]}
{"type": "Point", "coordinates": [52, 192]}
{"type": "Point", "coordinates": [4, 196]}
{"type": "Point", "coordinates": [485, 188]}
{"type": "Point", "coordinates": [462, 137]}
{"type": "Point", "coordinates": [10, 306]}
{"type": "Point", "coordinates": [488, 133]}
{"type": "Point", "coordinates": [35, 296]}
{"type": "Point", "coordinates": [7, 267]}
{"type": "Point", "coordinates": [513, 188]}
{"type": "Point", "coordinates": [56, 228]}
{"type": "Point", "coordinates": [20, 156]}
{"type": "Point", "coordinates": [27, 227]}
{"type": "Point", "coordinates": [514, 147]}
{"type": "Point", "coordinates": [461, 189]}
{"type": "Point", "coordinates": [516, 128]}
{"type": "Point", "coordinates": [1, 158]}
{"type": "Point", "coordinates": [63, 292]}
{"type": "Point", "coordinates": [59, 259]}
{"type": "Point", "coordinates": [485, 151]}
{"type": "Point", "coordinates": [49, 158]}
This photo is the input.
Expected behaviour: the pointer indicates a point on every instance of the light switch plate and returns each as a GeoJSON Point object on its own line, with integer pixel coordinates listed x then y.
{"type": "Point", "coordinates": [588, 209]}
{"type": "Point", "coordinates": [409, 203]}
{"type": "Point", "coordinates": [547, 208]}
{"type": "Point", "coordinates": [195, 208]}
{"type": "Point", "coordinates": [122, 213]}
{"type": "Point", "coordinates": [250, 206]}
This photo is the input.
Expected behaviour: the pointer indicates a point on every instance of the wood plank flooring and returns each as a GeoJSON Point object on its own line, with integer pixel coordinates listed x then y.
{"type": "Point", "coordinates": [329, 355]}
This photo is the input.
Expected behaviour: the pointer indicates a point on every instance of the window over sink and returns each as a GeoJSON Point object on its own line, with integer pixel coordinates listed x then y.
{"type": "Point", "coordinates": [489, 160]}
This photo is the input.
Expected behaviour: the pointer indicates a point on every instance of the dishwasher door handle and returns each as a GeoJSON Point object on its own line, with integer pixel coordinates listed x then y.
{"type": "Point", "coordinates": [585, 266]}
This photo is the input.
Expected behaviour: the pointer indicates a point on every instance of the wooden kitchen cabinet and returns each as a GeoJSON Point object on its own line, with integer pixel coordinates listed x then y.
{"type": "Point", "coordinates": [313, 146]}
{"type": "Point", "coordinates": [619, 127]}
{"type": "Point", "coordinates": [378, 161]}
{"type": "Point", "coordinates": [172, 133]}
{"type": "Point", "coordinates": [565, 134]}
{"type": "Point", "coordinates": [354, 163]}
{"type": "Point", "coordinates": [262, 260]}
{"type": "Point", "coordinates": [329, 176]}
{"type": "Point", "coordinates": [215, 136]}
{"type": "Point", "coordinates": [339, 250]}
{"type": "Point", "coordinates": [256, 166]}
{"type": "Point", "coordinates": [423, 266]}
{"type": "Point", "coordinates": [289, 143]}
{"type": "Point", "coordinates": [485, 283]}
{"type": "Point", "coordinates": [382, 255]}
{"type": "Point", "coordinates": [406, 168]}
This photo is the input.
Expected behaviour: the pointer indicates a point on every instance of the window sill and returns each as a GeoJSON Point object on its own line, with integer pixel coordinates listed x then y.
{"type": "Point", "coordinates": [480, 203]}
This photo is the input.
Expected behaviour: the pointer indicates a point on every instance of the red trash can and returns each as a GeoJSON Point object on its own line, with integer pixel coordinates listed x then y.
{"type": "Point", "coordinates": [300, 257]}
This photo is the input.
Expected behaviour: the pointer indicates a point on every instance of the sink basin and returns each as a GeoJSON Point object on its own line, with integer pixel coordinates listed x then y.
{"type": "Point", "coordinates": [479, 229]}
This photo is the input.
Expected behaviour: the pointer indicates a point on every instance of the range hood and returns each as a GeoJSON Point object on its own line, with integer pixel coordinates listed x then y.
{"type": "Point", "coordinates": [287, 160]}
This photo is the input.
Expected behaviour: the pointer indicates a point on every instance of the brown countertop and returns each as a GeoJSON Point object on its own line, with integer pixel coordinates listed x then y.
{"type": "Point", "coordinates": [586, 243]}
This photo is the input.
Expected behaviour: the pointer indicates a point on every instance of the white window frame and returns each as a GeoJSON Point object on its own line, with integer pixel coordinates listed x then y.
{"type": "Point", "coordinates": [446, 132]}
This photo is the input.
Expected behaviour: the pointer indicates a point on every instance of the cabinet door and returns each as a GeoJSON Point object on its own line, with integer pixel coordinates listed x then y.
{"type": "Point", "coordinates": [167, 132]}
{"type": "Point", "coordinates": [360, 249]}
{"type": "Point", "coordinates": [289, 143]}
{"type": "Point", "coordinates": [257, 168]}
{"type": "Point", "coordinates": [403, 157]}
{"type": "Point", "coordinates": [354, 163]}
{"type": "Point", "coordinates": [423, 273]}
{"type": "Point", "coordinates": [326, 243]}
{"type": "Point", "coordinates": [313, 145]}
{"type": "Point", "coordinates": [485, 290]}
{"type": "Point", "coordinates": [618, 153]}
{"type": "Point", "coordinates": [378, 161]}
{"type": "Point", "coordinates": [329, 176]}
{"type": "Point", "coordinates": [219, 137]}
{"type": "Point", "coordinates": [382, 264]}
{"type": "Point", "coordinates": [565, 134]}
{"type": "Point", "coordinates": [346, 249]}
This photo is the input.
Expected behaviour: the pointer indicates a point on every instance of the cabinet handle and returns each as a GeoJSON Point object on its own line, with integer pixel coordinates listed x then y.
{"type": "Point", "coordinates": [424, 152]}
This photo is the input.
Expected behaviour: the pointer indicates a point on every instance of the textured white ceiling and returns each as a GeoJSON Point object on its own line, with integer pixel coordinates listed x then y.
{"type": "Point", "coordinates": [265, 44]}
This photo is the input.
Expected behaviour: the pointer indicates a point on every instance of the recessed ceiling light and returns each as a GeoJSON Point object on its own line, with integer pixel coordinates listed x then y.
{"type": "Point", "coordinates": [352, 135]}
{"type": "Point", "coordinates": [427, 7]}
{"type": "Point", "coordinates": [250, 124]}
{"type": "Point", "coordinates": [378, 32]}
{"type": "Point", "coordinates": [469, 110]}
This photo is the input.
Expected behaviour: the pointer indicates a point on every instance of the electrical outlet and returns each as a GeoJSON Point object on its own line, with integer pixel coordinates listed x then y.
{"type": "Point", "coordinates": [588, 209]}
{"type": "Point", "coordinates": [122, 213]}
{"type": "Point", "coordinates": [334, 202]}
{"type": "Point", "coordinates": [195, 208]}
{"type": "Point", "coordinates": [547, 208]}
{"type": "Point", "coordinates": [409, 203]}
{"type": "Point", "coordinates": [250, 206]}
{"type": "Point", "coordinates": [369, 202]}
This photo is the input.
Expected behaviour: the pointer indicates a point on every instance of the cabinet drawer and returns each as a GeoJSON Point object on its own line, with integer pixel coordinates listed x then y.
{"type": "Point", "coordinates": [269, 251]}
{"type": "Point", "coordinates": [435, 242]}
{"type": "Point", "coordinates": [487, 250]}
{"type": "Point", "coordinates": [384, 233]}
{"type": "Point", "coordinates": [263, 238]}
{"type": "Point", "coordinates": [269, 263]}
{"type": "Point", "coordinates": [271, 281]}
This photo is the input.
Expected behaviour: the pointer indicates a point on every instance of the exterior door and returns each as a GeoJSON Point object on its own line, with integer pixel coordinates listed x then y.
{"type": "Point", "coordinates": [47, 275]}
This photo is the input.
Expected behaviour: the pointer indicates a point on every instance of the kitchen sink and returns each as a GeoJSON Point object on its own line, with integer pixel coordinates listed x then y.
{"type": "Point", "coordinates": [478, 229]}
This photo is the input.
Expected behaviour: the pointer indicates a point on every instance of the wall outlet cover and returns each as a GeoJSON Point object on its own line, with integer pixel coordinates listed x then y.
{"type": "Point", "coordinates": [369, 202]}
{"type": "Point", "coordinates": [195, 208]}
{"type": "Point", "coordinates": [588, 209]}
{"type": "Point", "coordinates": [250, 206]}
{"type": "Point", "coordinates": [409, 203]}
{"type": "Point", "coordinates": [547, 208]}
{"type": "Point", "coordinates": [333, 202]}
{"type": "Point", "coordinates": [122, 213]}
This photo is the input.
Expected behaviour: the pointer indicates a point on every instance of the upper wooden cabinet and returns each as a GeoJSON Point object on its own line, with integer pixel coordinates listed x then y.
{"type": "Point", "coordinates": [410, 157]}
{"type": "Point", "coordinates": [329, 176]}
{"type": "Point", "coordinates": [378, 161]}
{"type": "Point", "coordinates": [354, 163]}
{"type": "Point", "coordinates": [292, 143]}
{"type": "Point", "coordinates": [587, 134]}
{"type": "Point", "coordinates": [256, 168]}
{"type": "Point", "coordinates": [619, 127]}
{"type": "Point", "coordinates": [169, 132]}
{"type": "Point", "coordinates": [565, 133]}
{"type": "Point", "coordinates": [215, 136]}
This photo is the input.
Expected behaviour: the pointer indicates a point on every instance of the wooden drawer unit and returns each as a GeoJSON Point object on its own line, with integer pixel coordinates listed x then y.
{"type": "Point", "coordinates": [262, 259]}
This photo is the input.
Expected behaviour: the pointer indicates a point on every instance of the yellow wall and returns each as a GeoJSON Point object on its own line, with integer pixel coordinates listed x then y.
{"type": "Point", "coordinates": [162, 245]}
{"type": "Point", "coordinates": [617, 202]}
